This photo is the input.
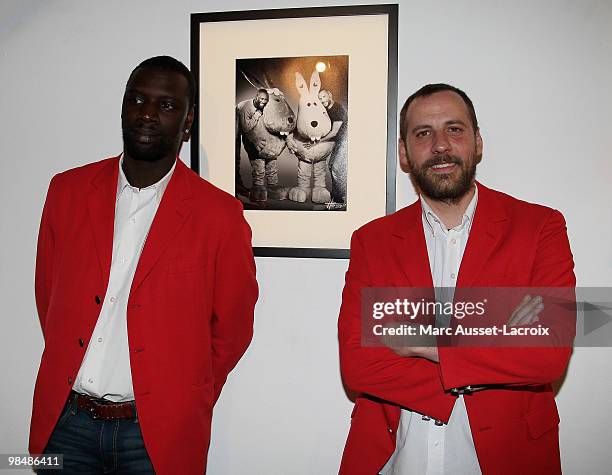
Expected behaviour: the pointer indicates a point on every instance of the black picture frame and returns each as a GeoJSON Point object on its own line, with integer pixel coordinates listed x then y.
{"type": "Point", "coordinates": [201, 23]}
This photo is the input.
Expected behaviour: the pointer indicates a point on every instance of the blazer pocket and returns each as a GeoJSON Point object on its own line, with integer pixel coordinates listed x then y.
{"type": "Point", "coordinates": [542, 420]}
{"type": "Point", "coordinates": [182, 265]}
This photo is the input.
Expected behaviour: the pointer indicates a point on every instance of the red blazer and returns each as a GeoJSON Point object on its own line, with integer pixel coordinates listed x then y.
{"type": "Point", "coordinates": [190, 310]}
{"type": "Point", "coordinates": [515, 429]}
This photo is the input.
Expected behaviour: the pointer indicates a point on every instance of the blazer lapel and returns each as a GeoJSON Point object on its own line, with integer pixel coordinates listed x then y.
{"type": "Point", "coordinates": [172, 212]}
{"type": "Point", "coordinates": [411, 249]}
{"type": "Point", "coordinates": [488, 228]}
{"type": "Point", "coordinates": [101, 205]}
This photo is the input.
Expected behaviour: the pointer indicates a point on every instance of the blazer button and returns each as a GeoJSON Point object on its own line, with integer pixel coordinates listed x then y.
{"type": "Point", "coordinates": [81, 343]}
{"type": "Point", "coordinates": [69, 379]}
{"type": "Point", "coordinates": [98, 300]}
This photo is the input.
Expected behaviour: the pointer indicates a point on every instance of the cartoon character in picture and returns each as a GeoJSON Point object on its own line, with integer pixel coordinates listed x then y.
{"type": "Point", "coordinates": [305, 143]}
{"type": "Point", "coordinates": [262, 126]}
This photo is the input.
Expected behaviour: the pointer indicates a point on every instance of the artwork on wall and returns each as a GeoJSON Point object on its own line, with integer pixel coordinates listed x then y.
{"type": "Point", "coordinates": [296, 119]}
{"type": "Point", "coordinates": [291, 133]}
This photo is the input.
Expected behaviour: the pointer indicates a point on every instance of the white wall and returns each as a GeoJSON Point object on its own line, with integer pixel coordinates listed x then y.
{"type": "Point", "coordinates": [539, 73]}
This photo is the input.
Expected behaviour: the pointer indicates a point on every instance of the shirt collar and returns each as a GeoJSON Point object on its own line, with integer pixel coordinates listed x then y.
{"type": "Point", "coordinates": [159, 186]}
{"type": "Point", "coordinates": [468, 215]}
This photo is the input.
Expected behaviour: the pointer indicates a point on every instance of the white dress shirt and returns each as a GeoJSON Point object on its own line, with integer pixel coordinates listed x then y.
{"type": "Point", "coordinates": [422, 447]}
{"type": "Point", "coordinates": [105, 370]}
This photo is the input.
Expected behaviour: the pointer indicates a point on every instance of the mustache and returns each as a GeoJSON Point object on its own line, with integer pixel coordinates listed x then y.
{"type": "Point", "coordinates": [141, 129]}
{"type": "Point", "coordinates": [440, 159]}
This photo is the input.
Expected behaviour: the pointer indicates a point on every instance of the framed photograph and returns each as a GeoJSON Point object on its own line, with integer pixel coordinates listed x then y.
{"type": "Point", "coordinates": [296, 118]}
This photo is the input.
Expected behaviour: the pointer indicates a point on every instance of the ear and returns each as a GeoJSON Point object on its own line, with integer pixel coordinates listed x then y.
{"type": "Point", "coordinates": [253, 80]}
{"type": "Point", "coordinates": [188, 124]}
{"type": "Point", "coordinates": [300, 84]}
{"type": "Point", "coordinates": [478, 147]}
{"type": "Point", "coordinates": [315, 83]}
{"type": "Point", "coordinates": [403, 156]}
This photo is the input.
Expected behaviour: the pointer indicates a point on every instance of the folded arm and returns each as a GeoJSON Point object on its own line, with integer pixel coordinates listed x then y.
{"type": "Point", "coordinates": [552, 269]}
{"type": "Point", "coordinates": [409, 382]}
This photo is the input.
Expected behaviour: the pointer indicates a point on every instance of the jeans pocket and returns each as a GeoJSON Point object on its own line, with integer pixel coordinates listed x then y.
{"type": "Point", "coordinates": [68, 411]}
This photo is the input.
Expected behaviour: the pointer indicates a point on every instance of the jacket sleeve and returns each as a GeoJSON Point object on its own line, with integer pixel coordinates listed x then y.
{"type": "Point", "coordinates": [553, 270]}
{"type": "Point", "coordinates": [235, 295]}
{"type": "Point", "coordinates": [409, 382]}
{"type": "Point", "coordinates": [43, 279]}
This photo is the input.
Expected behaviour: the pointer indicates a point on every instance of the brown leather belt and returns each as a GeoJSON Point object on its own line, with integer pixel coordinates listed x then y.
{"type": "Point", "coordinates": [103, 409]}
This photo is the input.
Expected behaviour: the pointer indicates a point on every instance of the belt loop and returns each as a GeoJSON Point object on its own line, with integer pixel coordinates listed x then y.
{"type": "Point", "coordinates": [135, 412]}
{"type": "Point", "coordinates": [72, 401]}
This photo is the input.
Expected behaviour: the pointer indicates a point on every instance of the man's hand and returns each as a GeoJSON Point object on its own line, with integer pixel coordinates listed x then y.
{"type": "Point", "coordinates": [427, 352]}
{"type": "Point", "coordinates": [525, 314]}
{"type": "Point", "coordinates": [527, 311]}
{"type": "Point", "coordinates": [426, 347]}
{"type": "Point", "coordinates": [331, 136]}
{"type": "Point", "coordinates": [291, 145]}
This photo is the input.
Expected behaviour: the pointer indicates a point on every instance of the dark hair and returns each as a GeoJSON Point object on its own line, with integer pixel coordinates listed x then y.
{"type": "Point", "coordinates": [262, 91]}
{"type": "Point", "coordinates": [428, 90]}
{"type": "Point", "coordinates": [168, 63]}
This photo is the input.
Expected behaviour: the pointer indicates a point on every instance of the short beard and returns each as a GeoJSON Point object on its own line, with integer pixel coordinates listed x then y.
{"type": "Point", "coordinates": [146, 152]}
{"type": "Point", "coordinates": [442, 188]}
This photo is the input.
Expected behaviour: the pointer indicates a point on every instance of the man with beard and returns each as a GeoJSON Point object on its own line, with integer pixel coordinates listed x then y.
{"type": "Point", "coordinates": [438, 409]}
{"type": "Point", "coordinates": [337, 161]}
{"type": "Point", "coordinates": [145, 289]}
{"type": "Point", "coordinates": [253, 114]}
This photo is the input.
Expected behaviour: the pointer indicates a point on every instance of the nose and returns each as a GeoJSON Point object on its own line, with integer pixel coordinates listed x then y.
{"type": "Point", "coordinates": [440, 144]}
{"type": "Point", "coordinates": [314, 123]}
{"type": "Point", "coordinates": [148, 112]}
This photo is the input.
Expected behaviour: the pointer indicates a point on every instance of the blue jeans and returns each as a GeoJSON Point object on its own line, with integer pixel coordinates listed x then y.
{"type": "Point", "coordinates": [97, 446]}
